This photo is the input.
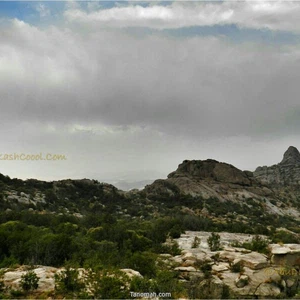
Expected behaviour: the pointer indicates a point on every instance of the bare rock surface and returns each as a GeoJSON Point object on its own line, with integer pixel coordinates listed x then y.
{"type": "Point", "coordinates": [287, 172]}
{"type": "Point", "coordinates": [259, 277]}
{"type": "Point", "coordinates": [12, 278]}
{"type": "Point", "coordinates": [208, 178]}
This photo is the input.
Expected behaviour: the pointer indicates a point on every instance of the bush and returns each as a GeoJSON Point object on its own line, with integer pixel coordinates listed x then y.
{"type": "Point", "coordinates": [257, 244]}
{"type": "Point", "coordinates": [68, 281]}
{"type": "Point", "coordinates": [284, 237]}
{"type": "Point", "coordinates": [172, 248]}
{"type": "Point", "coordinates": [112, 288]}
{"type": "Point", "coordinates": [2, 286]}
{"type": "Point", "coordinates": [16, 293]}
{"type": "Point", "coordinates": [237, 267]}
{"type": "Point", "coordinates": [144, 262]}
{"type": "Point", "coordinates": [139, 284]}
{"type": "Point", "coordinates": [206, 269]}
{"type": "Point", "coordinates": [214, 242]}
{"type": "Point", "coordinates": [167, 281]}
{"type": "Point", "coordinates": [29, 281]}
{"type": "Point", "coordinates": [196, 242]}
{"type": "Point", "coordinates": [110, 284]}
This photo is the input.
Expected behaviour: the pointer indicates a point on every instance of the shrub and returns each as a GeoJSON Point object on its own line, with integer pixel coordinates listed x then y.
{"type": "Point", "coordinates": [196, 242]}
{"type": "Point", "coordinates": [16, 293]}
{"type": "Point", "coordinates": [206, 269]}
{"type": "Point", "coordinates": [144, 262]}
{"type": "Point", "coordinates": [284, 237]}
{"type": "Point", "coordinates": [2, 286]}
{"type": "Point", "coordinates": [214, 242]}
{"type": "Point", "coordinates": [257, 244]}
{"type": "Point", "coordinates": [29, 281]}
{"type": "Point", "coordinates": [167, 281]}
{"type": "Point", "coordinates": [112, 288]}
{"type": "Point", "coordinates": [68, 281]}
{"type": "Point", "coordinates": [139, 284]}
{"type": "Point", "coordinates": [108, 284]}
{"type": "Point", "coordinates": [172, 249]}
{"type": "Point", "coordinates": [237, 267]}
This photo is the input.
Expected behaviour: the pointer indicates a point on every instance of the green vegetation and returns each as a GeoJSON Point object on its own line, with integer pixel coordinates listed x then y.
{"type": "Point", "coordinates": [68, 282]}
{"type": "Point", "coordinates": [283, 236]}
{"type": "Point", "coordinates": [29, 281]}
{"type": "Point", "coordinates": [237, 267]}
{"type": "Point", "coordinates": [206, 269]}
{"type": "Point", "coordinates": [214, 242]}
{"type": "Point", "coordinates": [257, 244]}
{"type": "Point", "coordinates": [196, 242]}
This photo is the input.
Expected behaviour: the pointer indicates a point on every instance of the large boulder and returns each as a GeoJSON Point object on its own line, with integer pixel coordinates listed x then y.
{"type": "Point", "coordinates": [253, 260]}
{"type": "Point", "coordinates": [259, 283]}
{"type": "Point", "coordinates": [287, 255]}
{"type": "Point", "coordinates": [12, 278]}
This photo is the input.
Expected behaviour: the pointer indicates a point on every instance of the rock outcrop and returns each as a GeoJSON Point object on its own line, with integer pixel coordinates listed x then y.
{"type": "Point", "coordinates": [259, 276]}
{"type": "Point", "coordinates": [211, 181]}
{"type": "Point", "coordinates": [46, 279]}
{"type": "Point", "coordinates": [287, 172]}
{"type": "Point", "coordinates": [208, 179]}
{"type": "Point", "coordinates": [287, 255]}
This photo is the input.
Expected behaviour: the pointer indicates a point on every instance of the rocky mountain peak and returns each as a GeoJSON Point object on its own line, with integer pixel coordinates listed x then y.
{"type": "Point", "coordinates": [291, 156]}
{"type": "Point", "coordinates": [287, 172]}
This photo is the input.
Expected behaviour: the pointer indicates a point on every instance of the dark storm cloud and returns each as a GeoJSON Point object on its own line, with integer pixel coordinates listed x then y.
{"type": "Point", "coordinates": [193, 86]}
{"type": "Point", "coordinates": [114, 102]}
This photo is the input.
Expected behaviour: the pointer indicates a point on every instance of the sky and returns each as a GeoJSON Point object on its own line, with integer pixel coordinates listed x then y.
{"type": "Point", "coordinates": [130, 89]}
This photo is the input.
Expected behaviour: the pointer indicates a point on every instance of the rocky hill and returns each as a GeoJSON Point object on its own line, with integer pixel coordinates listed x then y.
{"type": "Point", "coordinates": [286, 173]}
{"type": "Point", "coordinates": [210, 178]}
{"type": "Point", "coordinates": [242, 192]}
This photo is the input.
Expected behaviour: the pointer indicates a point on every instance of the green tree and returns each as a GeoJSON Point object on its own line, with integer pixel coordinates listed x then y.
{"type": "Point", "coordinates": [29, 281]}
{"type": "Point", "coordinates": [144, 262]}
{"type": "Point", "coordinates": [214, 242]}
{"type": "Point", "coordinates": [68, 282]}
{"type": "Point", "coordinates": [108, 284]}
{"type": "Point", "coordinates": [166, 281]}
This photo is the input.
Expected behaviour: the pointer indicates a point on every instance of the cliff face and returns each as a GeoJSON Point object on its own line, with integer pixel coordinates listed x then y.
{"type": "Point", "coordinates": [287, 172]}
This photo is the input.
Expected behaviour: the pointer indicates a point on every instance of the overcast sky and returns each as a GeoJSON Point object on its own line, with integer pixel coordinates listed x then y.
{"type": "Point", "coordinates": [131, 89]}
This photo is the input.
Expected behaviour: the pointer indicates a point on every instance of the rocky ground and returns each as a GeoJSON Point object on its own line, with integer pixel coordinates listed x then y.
{"type": "Point", "coordinates": [261, 276]}
{"type": "Point", "coordinates": [46, 283]}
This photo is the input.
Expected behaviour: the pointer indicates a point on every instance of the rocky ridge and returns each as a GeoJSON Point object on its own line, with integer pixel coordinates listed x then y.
{"type": "Point", "coordinates": [287, 172]}
{"type": "Point", "coordinates": [210, 179]}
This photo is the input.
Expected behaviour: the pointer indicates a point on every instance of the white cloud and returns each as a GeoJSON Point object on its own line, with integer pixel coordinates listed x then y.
{"type": "Point", "coordinates": [43, 10]}
{"type": "Point", "coordinates": [274, 15]}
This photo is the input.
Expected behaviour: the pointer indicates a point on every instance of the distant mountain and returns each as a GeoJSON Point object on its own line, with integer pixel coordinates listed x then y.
{"type": "Point", "coordinates": [129, 185]}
